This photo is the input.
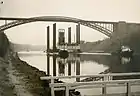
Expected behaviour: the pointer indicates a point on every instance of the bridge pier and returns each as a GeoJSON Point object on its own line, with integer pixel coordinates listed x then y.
{"type": "Point", "coordinates": [120, 29]}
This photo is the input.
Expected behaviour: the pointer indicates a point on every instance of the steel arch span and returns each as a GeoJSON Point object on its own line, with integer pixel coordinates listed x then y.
{"type": "Point", "coordinates": [99, 26]}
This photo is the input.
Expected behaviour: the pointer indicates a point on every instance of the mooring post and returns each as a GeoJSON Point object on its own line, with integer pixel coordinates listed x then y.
{"type": "Point", "coordinates": [104, 90]}
{"type": "Point", "coordinates": [67, 90]}
{"type": "Point", "coordinates": [52, 87]}
{"type": "Point", "coordinates": [128, 90]}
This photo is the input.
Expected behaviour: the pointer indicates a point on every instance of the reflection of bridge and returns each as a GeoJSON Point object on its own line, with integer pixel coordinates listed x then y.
{"type": "Point", "coordinates": [107, 28]}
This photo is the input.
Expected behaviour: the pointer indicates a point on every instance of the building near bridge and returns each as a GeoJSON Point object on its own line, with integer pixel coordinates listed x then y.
{"type": "Point", "coordinates": [70, 46]}
{"type": "Point", "coordinates": [61, 38]}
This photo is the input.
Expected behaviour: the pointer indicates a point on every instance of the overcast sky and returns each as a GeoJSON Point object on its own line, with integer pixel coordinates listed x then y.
{"type": "Point", "coordinates": [35, 33]}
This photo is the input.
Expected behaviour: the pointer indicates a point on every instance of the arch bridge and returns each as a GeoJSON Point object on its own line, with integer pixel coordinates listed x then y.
{"type": "Point", "coordinates": [106, 28]}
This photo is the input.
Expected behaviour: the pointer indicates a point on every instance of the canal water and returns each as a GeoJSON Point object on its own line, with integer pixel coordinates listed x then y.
{"type": "Point", "coordinates": [84, 64]}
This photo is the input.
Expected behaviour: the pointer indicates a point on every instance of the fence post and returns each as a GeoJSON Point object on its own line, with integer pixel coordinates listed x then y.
{"type": "Point", "coordinates": [52, 87]}
{"type": "Point", "coordinates": [128, 90]}
{"type": "Point", "coordinates": [67, 90]}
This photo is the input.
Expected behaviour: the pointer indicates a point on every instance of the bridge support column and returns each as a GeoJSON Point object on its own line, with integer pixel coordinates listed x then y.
{"type": "Point", "coordinates": [48, 38]}
{"type": "Point", "coordinates": [122, 28]}
{"type": "Point", "coordinates": [54, 37]}
{"type": "Point", "coordinates": [119, 30]}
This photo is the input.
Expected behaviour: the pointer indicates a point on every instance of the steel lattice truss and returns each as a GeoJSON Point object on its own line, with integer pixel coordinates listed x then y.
{"type": "Point", "coordinates": [104, 27]}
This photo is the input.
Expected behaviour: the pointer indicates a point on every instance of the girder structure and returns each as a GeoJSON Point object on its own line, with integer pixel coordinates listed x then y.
{"type": "Point", "coordinates": [104, 27]}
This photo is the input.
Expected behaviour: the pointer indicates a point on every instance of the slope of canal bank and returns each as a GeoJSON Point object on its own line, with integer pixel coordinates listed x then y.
{"type": "Point", "coordinates": [29, 78]}
{"type": "Point", "coordinates": [17, 78]}
{"type": "Point", "coordinates": [6, 86]}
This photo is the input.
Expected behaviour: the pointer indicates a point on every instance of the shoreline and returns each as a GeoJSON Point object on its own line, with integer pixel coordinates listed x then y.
{"type": "Point", "coordinates": [30, 77]}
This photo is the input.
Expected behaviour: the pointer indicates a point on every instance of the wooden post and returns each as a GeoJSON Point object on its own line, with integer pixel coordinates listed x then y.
{"type": "Point", "coordinates": [104, 90]}
{"type": "Point", "coordinates": [104, 87]}
{"type": "Point", "coordinates": [128, 90]}
{"type": "Point", "coordinates": [67, 90]}
{"type": "Point", "coordinates": [52, 88]}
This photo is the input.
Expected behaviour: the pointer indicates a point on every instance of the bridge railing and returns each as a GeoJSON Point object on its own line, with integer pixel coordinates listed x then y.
{"type": "Point", "coordinates": [94, 84]}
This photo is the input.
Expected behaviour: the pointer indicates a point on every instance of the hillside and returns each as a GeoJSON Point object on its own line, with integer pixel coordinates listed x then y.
{"type": "Point", "coordinates": [4, 44]}
{"type": "Point", "coordinates": [131, 39]}
{"type": "Point", "coordinates": [27, 47]}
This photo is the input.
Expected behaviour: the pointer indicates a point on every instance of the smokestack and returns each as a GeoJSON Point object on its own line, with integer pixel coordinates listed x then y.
{"type": "Point", "coordinates": [48, 38]}
{"type": "Point", "coordinates": [54, 37]}
{"type": "Point", "coordinates": [69, 35]}
{"type": "Point", "coordinates": [78, 34]}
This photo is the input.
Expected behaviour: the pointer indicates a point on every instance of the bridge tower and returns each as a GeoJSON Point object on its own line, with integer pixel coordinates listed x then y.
{"type": "Point", "coordinates": [61, 36]}
{"type": "Point", "coordinates": [120, 29]}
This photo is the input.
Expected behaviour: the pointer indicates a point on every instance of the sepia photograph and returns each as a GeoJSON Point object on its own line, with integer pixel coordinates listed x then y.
{"type": "Point", "coordinates": [69, 47]}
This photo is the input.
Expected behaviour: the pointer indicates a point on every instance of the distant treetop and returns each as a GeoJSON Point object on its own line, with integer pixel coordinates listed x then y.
{"type": "Point", "coordinates": [1, 2]}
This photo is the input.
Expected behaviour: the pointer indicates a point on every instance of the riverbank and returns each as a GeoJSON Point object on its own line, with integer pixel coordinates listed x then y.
{"type": "Point", "coordinates": [29, 78]}
{"type": "Point", "coordinates": [17, 78]}
{"type": "Point", "coordinates": [6, 86]}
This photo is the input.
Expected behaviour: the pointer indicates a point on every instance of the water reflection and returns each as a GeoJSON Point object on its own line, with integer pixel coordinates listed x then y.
{"type": "Point", "coordinates": [48, 65]}
{"type": "Point", "coordinates": [78, 65]}
{"type": "Point", "coordinates": [126, 60]}
{"type": "Point", "coordinates": [54, 65]}
{"type": "Point", "coordinates": [83, 64]}
{"type": "Point", "coordinates": [61, 66]}
{"type": "Point", "coordinates": [64, 67]}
